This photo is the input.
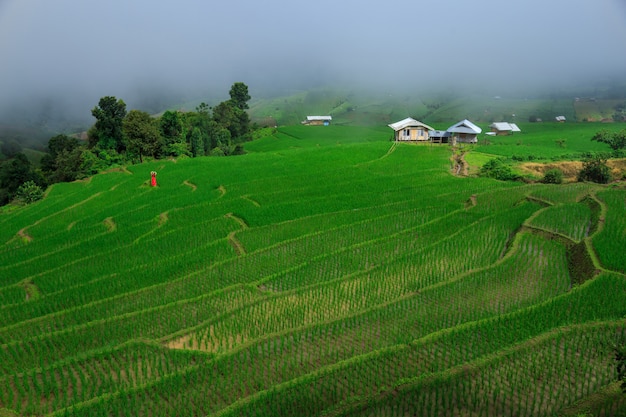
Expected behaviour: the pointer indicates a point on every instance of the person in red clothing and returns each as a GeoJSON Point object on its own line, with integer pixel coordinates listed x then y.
{"type": "Point", "coordinates": [153, 179]}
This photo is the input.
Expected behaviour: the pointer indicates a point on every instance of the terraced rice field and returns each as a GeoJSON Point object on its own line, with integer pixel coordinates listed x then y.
{"type": "Point", "coordinates": [326, 272]}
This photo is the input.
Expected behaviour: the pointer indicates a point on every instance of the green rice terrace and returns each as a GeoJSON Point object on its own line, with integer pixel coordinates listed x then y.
{"type": "Point", "coordinates": [327, 272]}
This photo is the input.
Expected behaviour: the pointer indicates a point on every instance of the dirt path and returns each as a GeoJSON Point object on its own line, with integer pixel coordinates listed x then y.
{"type": "Point", "coordinates": [239, 220]}
{"type": "Point", "coordinates": [391, 149]}
{"type": "Point", "coordinates": [236, 244]}
{"type": "Point", "coordinates": [232, 238]}
{"type": "Point", "coordinates": [460, 167]}
{"type": "Point", "coordinates": [254, 202]}
{"type": "Point", "coordinates": [193, 186]}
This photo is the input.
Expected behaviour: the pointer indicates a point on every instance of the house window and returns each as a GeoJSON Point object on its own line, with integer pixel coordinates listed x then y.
{"type": "Point", "coordinates": [407, 132]}
{"type": "Point", "coordinates": [420, 132]}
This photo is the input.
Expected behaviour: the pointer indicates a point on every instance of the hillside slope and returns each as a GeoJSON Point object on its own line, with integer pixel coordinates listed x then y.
{"type": "Point", "coordinates": [370, 109]}
{"type": "Point", "coordinates": [328, 271]}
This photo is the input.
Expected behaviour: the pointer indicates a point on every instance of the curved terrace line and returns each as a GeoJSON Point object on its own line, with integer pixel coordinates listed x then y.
{"type": "Point", "coordinates": [193, 186]}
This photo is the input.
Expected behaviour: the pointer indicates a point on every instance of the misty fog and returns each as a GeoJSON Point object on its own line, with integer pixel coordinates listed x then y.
{"type": "Point", "coordinates": [57, 58]}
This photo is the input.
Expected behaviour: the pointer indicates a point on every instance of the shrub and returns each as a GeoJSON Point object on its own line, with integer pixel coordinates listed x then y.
{"type": "Point", "coordinates": [595, 170]}
{"type": "Point", "coordinates": [553, 176]}
{"type": "Point", "coordinates": [498, 170]}
{"type": "Point", "coordinates": [29, 192]}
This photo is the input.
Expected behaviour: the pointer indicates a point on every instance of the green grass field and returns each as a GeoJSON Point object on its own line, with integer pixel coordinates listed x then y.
{"type": "Point", "coordinates": [547, 141]}
{"type": "Point", "coordinates": [329, 272]}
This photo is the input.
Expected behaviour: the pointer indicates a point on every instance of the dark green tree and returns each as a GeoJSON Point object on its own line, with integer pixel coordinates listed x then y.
{"type": "Point", "coordinates": [68, 166]}
{"type": "Point", "coordinates": [202, 108]}
{"type": "Point", "coordinates": [107, 132]}
{"type": "Point", "coordinates": [57, 145]}
{"type": "Point", "coordinates": [212, 137]}
{"type": "Point", "coordinates": [201, 120]}
{"type": "Point", "coordinates": [239, 95]}
{"type": "Point", "coordinates": [553, 176]}
{"type": "Point", "coordinates": [615, 140]}
{"type": "Point", "coordinates": [196, 142]}
{"type": "Point", "coordinates": [234, 119]}
{"type": "Point", "coordinates": [173, 132]}
{"type": "Point", "coordinates": [141, 134]}
{"type": "Point", "coordinates": [16, 172]}
{"type": "Point", "coordinates": [595, 169]}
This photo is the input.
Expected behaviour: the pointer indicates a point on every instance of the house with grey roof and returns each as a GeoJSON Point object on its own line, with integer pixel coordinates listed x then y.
{"type": "Point", "coordinates": [317, 120]}
{"type": "Point", "coordinates": [464, 132]}
{"type": "Point", "coordinates": [410, 129]}
{"type": "Point", "coordinates": [504, 128]}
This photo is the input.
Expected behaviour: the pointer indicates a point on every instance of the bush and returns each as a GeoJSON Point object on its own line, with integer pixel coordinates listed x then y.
{"type": "Point", "coordinates": [595, 169]}
{"type": "Point", "coordinates": [553, 176]}
{"type": "Point", "coordinates": [29, 192]}
{"type": "Point", "coordinates": [498, 170]}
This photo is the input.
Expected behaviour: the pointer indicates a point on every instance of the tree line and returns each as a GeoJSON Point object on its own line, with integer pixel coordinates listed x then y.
{"type": "Point", "coordinates": [120, 136]}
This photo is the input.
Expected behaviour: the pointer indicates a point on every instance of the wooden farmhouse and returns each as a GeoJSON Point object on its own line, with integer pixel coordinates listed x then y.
{"type": "Point", "coordinates": [464, 132]}
{"type": "Point", "coordinates": [317, 120]}
{"type": "Point", "coordinates": [410, 130]}
{"type": "Point", "coordinates": [504, 128]}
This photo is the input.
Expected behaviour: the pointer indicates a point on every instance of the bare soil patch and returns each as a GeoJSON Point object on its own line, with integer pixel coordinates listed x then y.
{"type": "Point", "coordinates": [26, 238]}
{"type": "Point", "coordinates": [570, 169]}
{"type": "Point", "coordinates": [163, 218]}
{"type": "Point", "coordinates": [110, 224]}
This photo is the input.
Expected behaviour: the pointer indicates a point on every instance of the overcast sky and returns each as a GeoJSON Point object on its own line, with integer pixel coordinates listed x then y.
{"type": "Point", "coordinates": [85, 49]}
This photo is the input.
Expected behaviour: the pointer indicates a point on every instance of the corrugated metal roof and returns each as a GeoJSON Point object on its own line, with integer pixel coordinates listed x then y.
{"type": "Point", "coordinates": [501, 126]}
{"type": "Point", "coordinates": [505, 127]}
{"type": "Point", "coordinates": [408, 122]}
{"type": "Point", "coordinates": [438, 133]}
{"type": "Point", "coordinates": [465, 126]}
{"type": "Point", "coordinates": [310, 118]}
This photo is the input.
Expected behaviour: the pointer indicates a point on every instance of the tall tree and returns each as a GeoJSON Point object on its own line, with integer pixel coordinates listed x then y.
{"type": "Point", "coordinates": [56, 146]}
{"type": "Point", "coordinates": [109, 114]}
{"type": "Point", "coordinates": [173, 132]}
{"type": "Point", "coordinates": [239, 95]}
{"type": "Point", "coordinates": [196, 142]}
{"type": "Point", "coordinates": [141, 134]}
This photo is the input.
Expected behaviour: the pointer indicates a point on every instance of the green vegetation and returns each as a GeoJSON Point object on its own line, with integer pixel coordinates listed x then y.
{"type": "Point", "coordinates": [119, 137]}
{"type": "Point", "coordinates": [595, 169]}
{"type": "Point", "coordinates": [615, 140]}
{"type": "Point", "coordinates": [546, 141]}
{"type": "Point", "coordinates": [553, 176]}
{"type": "Point", "coordinates": [326, 271]}
{"type": "Point", "coordinates": [496, 169]}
